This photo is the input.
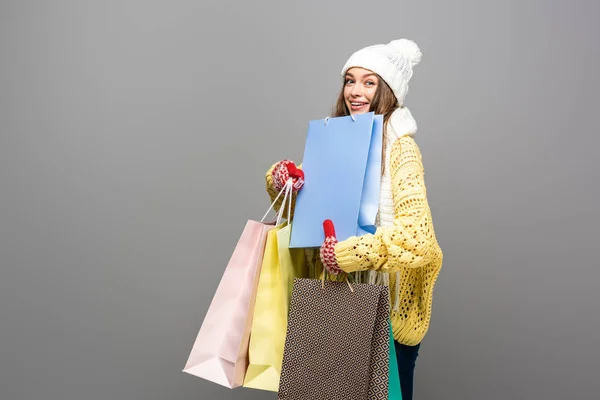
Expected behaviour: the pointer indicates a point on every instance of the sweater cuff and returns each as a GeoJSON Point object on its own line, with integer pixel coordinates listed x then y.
{"type": "Point", "coordinates": [346, 256]}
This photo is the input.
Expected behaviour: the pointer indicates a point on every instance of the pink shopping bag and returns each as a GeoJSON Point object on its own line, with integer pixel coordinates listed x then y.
{"type": "Point", "coordinates": [220, 352]}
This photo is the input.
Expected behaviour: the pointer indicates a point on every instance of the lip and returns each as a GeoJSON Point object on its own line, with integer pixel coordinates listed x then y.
{"type": "Point", "coordinates": [360, 107]}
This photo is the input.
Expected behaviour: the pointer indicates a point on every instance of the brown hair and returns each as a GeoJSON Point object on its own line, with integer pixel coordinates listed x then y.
{"type": "Point", "coordinates": [384, 103]}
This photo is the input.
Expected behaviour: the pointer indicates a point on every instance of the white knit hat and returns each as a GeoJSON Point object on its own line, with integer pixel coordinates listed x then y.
{"type": "Point", "coordinates": [394, 62]}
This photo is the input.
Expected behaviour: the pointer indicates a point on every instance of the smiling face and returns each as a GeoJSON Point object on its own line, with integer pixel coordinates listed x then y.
{"type": "Point", "coordinates": [360, 86]}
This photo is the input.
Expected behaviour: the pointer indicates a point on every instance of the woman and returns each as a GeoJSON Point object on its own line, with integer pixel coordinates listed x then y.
{"type": "Point", "coordinates": [403, 252]}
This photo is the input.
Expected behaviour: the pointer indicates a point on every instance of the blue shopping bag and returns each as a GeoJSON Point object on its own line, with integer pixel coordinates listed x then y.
{"type": "Point", "coordinates": [342, 168]}
{"type": "Point", "coordinates": [369, 203]}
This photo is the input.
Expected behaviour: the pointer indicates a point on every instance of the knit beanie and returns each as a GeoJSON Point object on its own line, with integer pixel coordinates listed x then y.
{"type": "Point", "coordinates": [394, 63]}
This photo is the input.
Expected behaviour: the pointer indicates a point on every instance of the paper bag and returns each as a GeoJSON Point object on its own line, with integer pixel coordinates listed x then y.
{"type": "Point", "coordinates": [337, 342]}
{"type": "Point", "coordinates": [220, 352]}
{"type": "Point", "coordinates": [342, 168]}
{"type": "Point", "coordinates": [267, 336]}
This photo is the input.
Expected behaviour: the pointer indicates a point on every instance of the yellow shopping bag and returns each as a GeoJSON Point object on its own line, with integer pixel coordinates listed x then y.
{"type": "Point", "coordinates": [267, 336]}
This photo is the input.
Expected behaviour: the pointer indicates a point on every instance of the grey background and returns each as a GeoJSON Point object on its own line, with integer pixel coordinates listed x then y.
{"type": "Point", "coordinates": [134, 137]}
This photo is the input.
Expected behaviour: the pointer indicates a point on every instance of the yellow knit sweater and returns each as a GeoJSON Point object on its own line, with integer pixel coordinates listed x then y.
{"type": "Point", "coordinates": [409, 246]}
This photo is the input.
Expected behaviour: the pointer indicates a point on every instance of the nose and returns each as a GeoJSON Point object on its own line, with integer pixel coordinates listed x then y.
{"type": "Point", "coordinates": [356, 90]}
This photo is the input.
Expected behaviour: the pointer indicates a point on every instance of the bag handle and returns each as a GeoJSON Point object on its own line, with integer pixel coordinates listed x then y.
{"type": "Point", "coordinates": [328, 117]}
{"type": "Point", "coordinates": [287, 192]}
{"type": "Point", "coordinates": [287, 197]}
{"type": "Point", "coordinates": [346, 276]}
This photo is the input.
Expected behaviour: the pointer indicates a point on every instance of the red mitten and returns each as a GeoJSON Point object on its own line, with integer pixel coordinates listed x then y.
{"type": "Point", "coordinates": [327, 253]}
{"type": "Point", "coordinates": [285, 170]}
{"type": "Point", "coordinates": [297, 175]}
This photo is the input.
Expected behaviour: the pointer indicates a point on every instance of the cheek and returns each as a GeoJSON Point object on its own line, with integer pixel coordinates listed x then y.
{"type": "Point", "coordinates": [370, 94]}
{"type": "Point", "coordinates": [346, 92]}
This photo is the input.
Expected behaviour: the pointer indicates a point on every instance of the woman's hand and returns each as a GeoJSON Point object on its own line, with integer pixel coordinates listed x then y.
{"type": "Point", "coordinates": [283, 171]}
{"type": "Point", "coordinates": [327, 253]}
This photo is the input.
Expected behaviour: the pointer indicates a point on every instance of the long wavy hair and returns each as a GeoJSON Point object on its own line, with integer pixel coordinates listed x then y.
{"type": "Point", "coordinates": [384, 103]}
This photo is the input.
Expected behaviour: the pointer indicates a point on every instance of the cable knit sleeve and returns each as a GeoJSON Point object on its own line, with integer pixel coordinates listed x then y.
{"type": "Point", "coordinates": [273, 193]}
{"type": "Point", "coordinates": [411, 241]}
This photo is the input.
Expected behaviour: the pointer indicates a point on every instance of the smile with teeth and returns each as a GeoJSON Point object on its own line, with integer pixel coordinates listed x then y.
{"type": "Point", "coordinates": [357, 104]}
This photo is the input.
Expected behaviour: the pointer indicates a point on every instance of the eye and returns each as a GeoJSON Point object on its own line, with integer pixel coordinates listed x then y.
{"type": "Point", "coordinates": [349, 81]}
{"type": "Point", "coordinates": [370, 83]}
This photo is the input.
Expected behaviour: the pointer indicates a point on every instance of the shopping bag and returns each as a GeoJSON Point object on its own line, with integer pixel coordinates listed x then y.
{"type": "Point", "coordinates": [267, 336]}
{"type": "Point", "coordinates": [337, 342]}
{"type": "Point", "coordinates": [394, 386]}
{"type": "Point", "coordinates": [342, 166]}
{"type": "Point", "coordinates": [220, 351]}
{"type": "Point", "coordinates": [369, 202]}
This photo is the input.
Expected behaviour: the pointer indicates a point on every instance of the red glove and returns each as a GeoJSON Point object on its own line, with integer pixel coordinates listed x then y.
{"type": "Point", "coordinates": [328, 257]}
{"type": "Point", "coordinates": [285, 170]}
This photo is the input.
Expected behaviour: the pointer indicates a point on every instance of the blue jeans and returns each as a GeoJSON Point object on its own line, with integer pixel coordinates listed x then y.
{"type": "Point", "coordinates": [407, 357]}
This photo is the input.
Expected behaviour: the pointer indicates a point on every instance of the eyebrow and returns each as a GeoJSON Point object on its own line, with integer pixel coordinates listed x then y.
{"type": "Point", "coordinates": [365, 75]}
